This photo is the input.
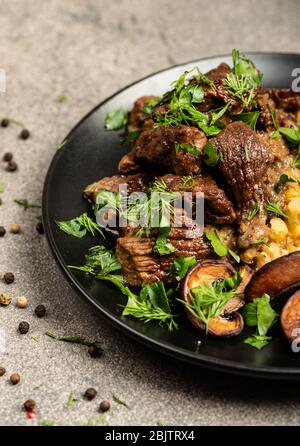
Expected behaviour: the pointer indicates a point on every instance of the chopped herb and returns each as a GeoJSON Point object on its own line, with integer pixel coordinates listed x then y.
{"type": "Point", "coordinates": [80, 226]}
{"type": "Point", "coordinates": [117, 400]}
{"type": "Point", "coordinates": [1, 187]}
{"type": "Point", "coordinates": [292, 135]}
{"type": "Point", "coordinates": [274, 208]}
{"type": "Point", "coordinates": [100, 261]}
{"type": "Point", "coordinates": [186, 147]}
{"type": "Point", "coordinates": [219, 246]}
{"type": "Point", "coordinates": [260, 241]}
{"type": "Point", "coordinates": [16, 122]}
{"type": "Point", "coordinates": [207, 301]}
{"type": "Point", "coordinates": [258, 341]}
{"type": "Point", "coordinates": [211, 154]}
{"type": "Point", "coordinates": [282, 180]}
{"type": "Point", "coordinates": [61, 98]}
{"type": "Point", "coordinates": [253, 212]}
{"type": "Point", "coordinates": [149, 106]}
{"type": "Point", "coordinates": [74, 340]}
{"type": "Point", "coordinates": [249, 118]}
{"type": "Point", "coordinates": [130, 137]}
{"type": "Point", "coordinates": [240, 87]}
{"type": "Point", "coordinates": [296, 161]}
{"type": "Point", "coordinates": [61, 145]}
{"type": "Point", "coordinates": [218, 113]}
{"type": "Point", "coordinates": [162, 246]}
{"type": "Point", "coordinates": [191, 94]}
{"type": "Point", "coordinates": [71, 400]}
{"type": "Point", "coordinates": [160, 423]}
{"type": "Point", "coordinates": [25, 203]}
{"type": "Point", "coordinates": [46, 423]}
{"type": "Point", "coordinates": [116, 120]}
{"type": "Point", "coordinates": [260, 314]}
{"type": "Point", "coordinates": [181, 266]}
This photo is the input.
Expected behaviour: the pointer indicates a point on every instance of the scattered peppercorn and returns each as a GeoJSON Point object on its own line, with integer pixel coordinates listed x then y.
{"type": "Point", "coordinates": [94, 352]}
{"type": "Point", "coordinates": [9, 277]}
{"type": "Point", "coordinates": [2, 371]}
{"type": "Point", "coordinates": [5, 299]}
{"type": "Point", "coordinates": [39, 227]}
{"type": "Point", "coordinates": [5, 122]}
{"type": "Point", "coordinates": [90, 393]}
{"type": "Point", "coordinates": [15, 228]}
{"type": "Point", "coordinates": [8, 156]}
{"type": "Point", "coordinates": [22, 302]}
{"type": "Point", "coordinates": [2, 231]}
{"type": "Point", "coordinates": [29, 405]}
{"type": "Point", "coordinates": [11, 166]}
{"type": "Point", "coordinates": [15, 378]}
{"type": "Point", "coordinates": [0, 201]}
{"type": "Point", "coordinates": [24, 134]}
{"type": "Point", "coordinates": [40, 311]}
{"type": "Point", "coordinates": [104, 406]}
{"type": "Point", "coordinates": [24, 327]}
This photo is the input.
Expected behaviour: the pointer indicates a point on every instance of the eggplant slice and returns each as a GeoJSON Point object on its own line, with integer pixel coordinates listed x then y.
{"type": "Point", "coordinates": [229, 323]}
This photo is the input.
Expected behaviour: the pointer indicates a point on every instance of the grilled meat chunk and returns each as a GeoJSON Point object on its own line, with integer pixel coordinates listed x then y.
{"type": "Point", "coordinates": [217, 208]}
{"type": "Point", "coordinates": [156, 147]}
{"type": "Point", "coordinates": [245, 158]}
{"type": "Point", "coordinates": [285, 99]}
{"type": "Point", "coordinates": [138, 119]}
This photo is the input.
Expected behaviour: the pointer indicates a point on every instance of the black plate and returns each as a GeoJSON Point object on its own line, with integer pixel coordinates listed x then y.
{"type": "Point", "coordinates": [92, 153]}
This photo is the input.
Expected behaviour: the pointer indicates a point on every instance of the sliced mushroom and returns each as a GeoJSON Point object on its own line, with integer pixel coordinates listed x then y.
{"type": "Point", "coordinates": [275, 278]}
{"type": "Point", "coordinates": [290, 317]}
{"type": "Point", "coordinates": [207, 272]}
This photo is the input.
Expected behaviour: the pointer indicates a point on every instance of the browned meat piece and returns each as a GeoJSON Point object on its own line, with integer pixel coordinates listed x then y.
{"type": "Point", "coordinates": [285, 99]}
{"type": "Point", "coordinates": [156, 148]}
{"type": "Point", "coordinates": [138, 118]}
{"type": "Point", "coordinates": [245, 158]}
{"type": "Point", "coordinates": [140, 266]}
{"type": "Point", "coordinates": [136, 182]}
{"type": "Point", "coordinates": [217, 208]}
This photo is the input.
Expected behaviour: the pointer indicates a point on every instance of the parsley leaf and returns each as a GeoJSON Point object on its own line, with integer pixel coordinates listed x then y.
{"type": "Point", "coordinates": [211, 154]}
{"type": "Point", "coordinates": [116, 120]}
{"type": "Point", "coordinates": [249, 118]}
{"type": "Point", "coordinates": [282, 180]}
{"type": "Point", "coordinates": [162, 246]}
{"type": "Point", "coordinates": [130, 137]}
{"type": "Point", "coordinates": [99, 262]}
{"type": "Point", "coordinates": [25, 203]}
{"type": "Point", "coordinates": [258, 341]}
{"type": "Point", "coordinates": [187, 147]}
{"type": "Point", "coordinates": [181, 266]}
{"type": "Point", "coordinates": [79, 226]}
{"type": "Point", "coordinates": [149, 106]}
{"type": "Point", "coordinates": [292, 135]}
{"type": "Point", "coordinates": [219, 246]}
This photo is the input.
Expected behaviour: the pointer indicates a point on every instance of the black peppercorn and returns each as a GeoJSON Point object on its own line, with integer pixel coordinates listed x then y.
{"type": "Point", "coordinates": [104, 406]}
{"type": "Point", "coordinates": [24, 134]}
{"type": "Point", "coordinates": [11, 166]}
{"type": "Point", "coordinates": [40, 311]}
{"type": "Point", "coordinates": [90, 393]}
{"type": "Point", "coordinates": [9, 277]}
{"type": "Point", "coordinates": [5, 122]}
{"type": "Point", "coordinates": [8, 156]}
{"type": "Point", "coordinates": [39, 227]}
{"type": "Point", "coordinates": [23, 327]}
{"type": "Point", "coordinates": [29, 405]}
{"type": "Point", "coordinates": [2, 231]}
{"type": "Point", "coordinates": [94, 352]}
{"type": "Point", "coordinates": [2, 371]}
{"type": "Point", "coordinates": [15, 378]}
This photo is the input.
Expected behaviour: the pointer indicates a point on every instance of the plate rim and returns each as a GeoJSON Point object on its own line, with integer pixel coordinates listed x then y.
{"type": "Point", "coordinates": [201, 360]}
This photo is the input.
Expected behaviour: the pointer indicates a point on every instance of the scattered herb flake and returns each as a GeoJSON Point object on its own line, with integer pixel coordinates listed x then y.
{"type": "Point", "coordinates": [253, 212]}
{"type": "Point", "coordinates": [117, 400]}
{"type": "Point", "coordinates": [61, 145]}
{"type": "Point", "coordinates": [282, 180]}
{"type": "Point", "coordinates": [25, 203]}
{"type": "Point", "coordinates": [130, 137]}
{"type": "Point", "coordinates": [71, 400]}
{"type": "Point", "coordinates": [1, 187]}
{"type": "Point", "coordinates": [74, 340]}
{"type": "Point", "coordinates": [258, 341]}
{"type": "Point", "coordinates": [116, 120]}
{"type": "Point", "coordinates": [61, 98]}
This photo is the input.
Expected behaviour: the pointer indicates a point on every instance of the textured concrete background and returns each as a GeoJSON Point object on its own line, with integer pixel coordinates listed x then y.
{"type": "Point", "coordinates": [88, 50]}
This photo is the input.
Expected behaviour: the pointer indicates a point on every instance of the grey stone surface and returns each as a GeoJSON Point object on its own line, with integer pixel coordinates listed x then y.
{"type": "Point", "coordinates": [89, 49]}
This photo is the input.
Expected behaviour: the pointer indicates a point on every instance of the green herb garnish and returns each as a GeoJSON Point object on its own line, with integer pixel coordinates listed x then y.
{"type": "Point", "coordinates": [130, 137]}
{"type": "Point", "coordinates": [260, 241]}
{"type": "Point", "coordinates": [219, 246]}
{"type": "Point", "coordinates": [181, 266]}
{"type": "Point", "coordinates": [253, 212]}
{"type": "Point", "coordinates": [61, 145]}
{"type": "Point", "coordinates": [150, 105]}
{"type": "Point", "coordinates": [282, 180]}
{"type": "Point", "coordinates": [249, 118]}
{"type": "Point", "coordinates": [261, 315]}
{"type": "Point", "coordinates": [80, 226]}
{"type": "Point", "coordinates": [186, 182]}
{"type": "Point", "coordinates": [274, 208]}
{"type": "Point", "coordinates": [187, 147]}
{"type": "Point", "coordinates": [116, 120]}
{"type": "Point", "coordinates": [1, 187]}
{"type": "Point", "coordinates": [211, 154]}
{"type": "Point", "coordinates": [207, 301]}
{"type": "Point", "coordinates": [71, 400]}
{"type": "Point", "coordinates": [74, 340]}
{"type": "Point", "coordinates": [118, 400]}
{"type": "Point", "coordinates": [162, 246]}
{"type": "Point", "coordinates": [61, 98]}
{"type": "Point", "coordinates": [25, 203]}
